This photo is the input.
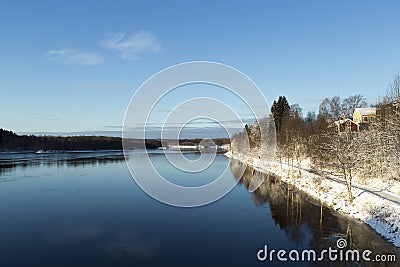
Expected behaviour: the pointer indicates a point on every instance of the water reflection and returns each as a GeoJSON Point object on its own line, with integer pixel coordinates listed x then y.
{"type": "Point", "coordinates": [74, 234]}
{"type": "Point", "coordinates": [9, 162]}
{"type": "Point", "coordinates": [132, 245]}
{"type": "Point", "coordinates": [306, 221]}
{"type": "Point", "coordinates": [73, 215]}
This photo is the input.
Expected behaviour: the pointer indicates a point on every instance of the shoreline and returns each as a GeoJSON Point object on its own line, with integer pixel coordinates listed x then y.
{"type": "Point", "coordinates": [57, 151]}
{"type": "Point", "coordinates": [381, 214]}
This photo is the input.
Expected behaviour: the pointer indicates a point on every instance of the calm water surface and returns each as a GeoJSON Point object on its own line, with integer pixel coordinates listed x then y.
{"type": "Point", "coordinates": [84, 209]}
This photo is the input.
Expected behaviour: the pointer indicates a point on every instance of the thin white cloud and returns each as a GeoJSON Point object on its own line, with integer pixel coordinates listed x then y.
{"type": "Point", "coordinates": [132, 45]}
{"type": "Point", "coordinates": [43, 116]}
{"type": "Point", "coordinates": [72, 56]}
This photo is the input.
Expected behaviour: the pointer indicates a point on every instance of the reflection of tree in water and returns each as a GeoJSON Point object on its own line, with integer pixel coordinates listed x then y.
{"type": "Point", "coordinates": [287, 207]}
{"type": "Point", "coordinates": [59, 160]}
{"type": "Point", "coordinates": [308, 223]}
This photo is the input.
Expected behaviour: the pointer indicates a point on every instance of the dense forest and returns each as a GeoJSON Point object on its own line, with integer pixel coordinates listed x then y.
{"type": "Point", "coordinates": [10, 141]}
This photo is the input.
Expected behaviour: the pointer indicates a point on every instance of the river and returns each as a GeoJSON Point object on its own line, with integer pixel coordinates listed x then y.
{"type": "Point", "coordinates": [84, 209]}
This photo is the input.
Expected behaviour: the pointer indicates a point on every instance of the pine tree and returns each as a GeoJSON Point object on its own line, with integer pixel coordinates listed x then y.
{"type": "Point", "coordinates": [280, 111]}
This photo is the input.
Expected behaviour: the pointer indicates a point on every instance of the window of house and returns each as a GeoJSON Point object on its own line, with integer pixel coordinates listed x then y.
{"type": "Point", "coordinates": [372, 119]}
{"type": "Point", "coordinates": [365, 119]}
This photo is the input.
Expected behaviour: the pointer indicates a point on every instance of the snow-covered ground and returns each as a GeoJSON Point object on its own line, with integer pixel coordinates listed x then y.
{"type": "Point", "coordinates": [376, 203]}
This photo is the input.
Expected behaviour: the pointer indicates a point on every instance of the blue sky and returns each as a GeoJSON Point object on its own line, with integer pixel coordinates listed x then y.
{"type": "Point", "coordinates": [72, 66]}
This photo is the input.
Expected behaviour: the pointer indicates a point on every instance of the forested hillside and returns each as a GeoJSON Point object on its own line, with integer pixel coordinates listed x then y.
{"type": "Point", "coordinates": [10, 141]}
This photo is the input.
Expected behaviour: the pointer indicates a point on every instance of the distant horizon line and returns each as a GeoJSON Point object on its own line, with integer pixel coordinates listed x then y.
{"type": "Point", "coordinates": [150, 135]}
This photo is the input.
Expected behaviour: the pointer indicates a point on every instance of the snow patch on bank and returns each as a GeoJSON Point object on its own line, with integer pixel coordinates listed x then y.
{"type": "Point", "coordinates": [381, 214]}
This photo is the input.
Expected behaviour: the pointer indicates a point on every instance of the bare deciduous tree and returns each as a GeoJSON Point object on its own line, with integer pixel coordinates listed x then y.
{"type": "Point", "coordinates": [336, 107]}
{"type": "Point", "coordinates": [296, 111]}
{"type": "Point", "coordinates": [331, 108]}
{"type": "Point", "coordinates": [352, 102]}
{"type": "Point", "coordinates": [324, 110]}
{"type": "Point", "coordinates": [342, 154]}
{"type": "Point", "coordinates": [393, 93]}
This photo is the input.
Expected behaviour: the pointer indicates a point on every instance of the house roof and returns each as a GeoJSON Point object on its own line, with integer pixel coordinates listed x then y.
{"type": "Point", "coordinates": [366, 111]}
{"type": "Point", "coordinates": [344, 121]}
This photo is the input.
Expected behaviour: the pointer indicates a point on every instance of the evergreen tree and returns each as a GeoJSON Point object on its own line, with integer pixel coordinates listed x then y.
{"type": "Point", "coordinates": [281, 111]}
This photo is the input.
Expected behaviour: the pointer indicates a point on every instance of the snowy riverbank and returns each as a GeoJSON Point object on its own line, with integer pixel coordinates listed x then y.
{"type": "Point", "coordinates": [377, 206]}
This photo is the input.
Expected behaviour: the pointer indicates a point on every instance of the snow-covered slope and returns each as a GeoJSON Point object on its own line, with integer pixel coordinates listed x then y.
{"type": "Point", "coordinates": [378, 206]}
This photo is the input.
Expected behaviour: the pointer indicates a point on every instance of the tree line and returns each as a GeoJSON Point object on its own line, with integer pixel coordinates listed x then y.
{"type": "Point", "coordinates": [372, 153]}
{"type": "Point", "coordinates": [10, 141]}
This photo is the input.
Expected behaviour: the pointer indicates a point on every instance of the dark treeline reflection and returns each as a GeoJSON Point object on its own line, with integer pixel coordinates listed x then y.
{"type": "Point", "coordinates": [12, 161]}
{"type": "Point", "coordinates": [307, 222]}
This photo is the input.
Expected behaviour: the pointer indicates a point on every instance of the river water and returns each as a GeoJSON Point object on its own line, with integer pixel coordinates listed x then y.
{"type": "Point", "coordinates": [84, 209]}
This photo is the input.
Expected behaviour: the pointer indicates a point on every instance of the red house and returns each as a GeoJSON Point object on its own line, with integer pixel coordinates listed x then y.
{"type": "Point", "coordinates": [347, 126]}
